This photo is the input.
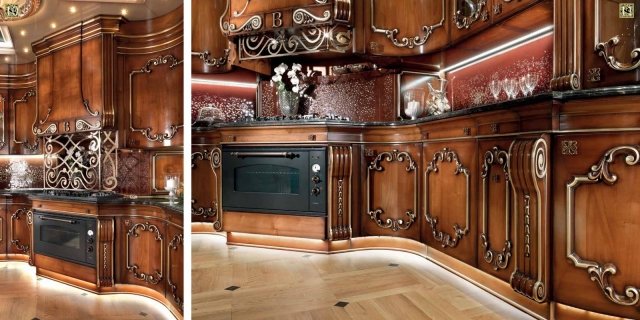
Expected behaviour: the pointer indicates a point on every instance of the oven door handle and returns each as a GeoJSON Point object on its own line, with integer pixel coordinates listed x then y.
{"type": "Point", "coordinates": [289, 155]}
{"type": "Point", "coordinates": [59, 220]}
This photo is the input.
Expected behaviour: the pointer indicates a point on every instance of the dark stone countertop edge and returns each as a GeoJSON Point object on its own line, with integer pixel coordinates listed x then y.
{"type": "Point", "coordinates": [36, 194]}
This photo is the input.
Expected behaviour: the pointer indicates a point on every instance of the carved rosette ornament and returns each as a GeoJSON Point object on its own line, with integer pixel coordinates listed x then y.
{"type": "Point", "coordinates": [375, 165]}
{"type": "Point", "coordinates": [447, 240]}
{"type": "Point", "coordinates": [406, 42]}
{"type": "Point", "coordinates": [172, 62]}
{"type": "Point", "coordinates": [601, 273]}
{"type": "Point", "coordinates": [134, 268]}
{"type": "Point", "coordinates": [498, 259]}
{"type": "Point", "coordinates": [214, 157]}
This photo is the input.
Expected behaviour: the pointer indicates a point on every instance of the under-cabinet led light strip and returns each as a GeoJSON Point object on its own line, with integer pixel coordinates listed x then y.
{"type": "Point", "coordinates": [533, 36]}
{"type": "Point", "coordinates": [236, 84]}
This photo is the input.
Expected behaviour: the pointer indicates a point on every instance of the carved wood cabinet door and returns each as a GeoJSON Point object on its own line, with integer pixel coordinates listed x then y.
{"type": "Point", "coordinates": [175, 266]}
{"type": "Point", "coordinates": [3, 227]}
{"type": "Point", "coordinates": [596, 223]}
{"type": "Point", "coordinates": [611, 46]}
{"type": "Point", "coordinates": [390, 194]}
{"type": "Point", "coordinates": [19, 223]}
{"type": "Point", "coordinates": [210, 49]}
{"type": "Point", "coordinates": [21, 108]}
{"type": "Point", "coordinates": [449, 198]}
{"type": "Point", "coordinates": [206, 185]}
{"type": "Point", "coordinates": [390, 31]}
{"type": "Point", "coordinates": [142, 247]}
{"type": "Point", "coordinates": [495, 209]}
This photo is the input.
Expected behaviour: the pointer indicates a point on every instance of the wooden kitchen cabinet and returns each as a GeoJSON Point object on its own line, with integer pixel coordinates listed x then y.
{"type": "Point", "coordinates": [596, 222]}
{"type": "Point", "coordinates": [206, 192]}
{"type": "Point", "coordinates": [495, 209]}
{"type": "Point", "coordinates": [149, 79]}
{"type": "Point", "coordinates": [22, 107]}
{"type": "Point", "coordinates": [142, 250]}
{"type": "Point", "coordinates": [210, 49]}
{"type": "Point", "coordinates": [502, 9]}
{"type": "Point", "coordinates": [469, 17]}
{"type": "Point", "coordinates": [449, 192]}
{"type": "Point", "coordinates": [391, 32]}
{"type": "Point", "coordinates": [175, 266]}
{"type": "Point", "coordinates": [75, 81]}
{"type": "Point", "coordinates": [391, 191]}
{"type": "Point", "coordinates": [4, 230]}
{"type": "Point", "coordinates": [19, 220]}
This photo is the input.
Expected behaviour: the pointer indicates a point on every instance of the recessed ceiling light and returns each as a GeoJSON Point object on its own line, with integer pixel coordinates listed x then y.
{"type": "Point", "coordinates": [23, 32]}
{"type": "Point", "coordinates": [124, 12]}
{"type": "Point", "coordinates": [6, 59]}
{"type": "Point", "coordinates": [72, 9]}
{"type": "Point", "coordinates": [26, 50]}
{"type": "Point", "coordinates": [53, 25]}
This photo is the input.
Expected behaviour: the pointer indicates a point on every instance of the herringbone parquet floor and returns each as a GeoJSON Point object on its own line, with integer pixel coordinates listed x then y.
{"type": "Point", "coordinates": [376, 284]}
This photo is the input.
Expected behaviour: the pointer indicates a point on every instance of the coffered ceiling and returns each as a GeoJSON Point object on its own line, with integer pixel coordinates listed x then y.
{"type": "Point", "coordinates": [55, 15]}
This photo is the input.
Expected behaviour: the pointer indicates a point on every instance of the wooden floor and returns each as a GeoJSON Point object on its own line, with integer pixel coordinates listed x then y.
{"type": "Point", "coordinates": [23, 295]}
{"type": "Point", "coordinates": [376, 284]}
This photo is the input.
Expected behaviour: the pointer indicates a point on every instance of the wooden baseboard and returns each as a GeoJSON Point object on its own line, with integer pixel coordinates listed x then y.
{"type": "Point", "coordinates": [276, 224]}
{"type": "Point", "coordinates": [560, 311]}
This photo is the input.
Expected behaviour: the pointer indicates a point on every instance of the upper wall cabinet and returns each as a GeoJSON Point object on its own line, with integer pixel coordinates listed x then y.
{"type": "Point", "coordinates": [149, 82]}
{"type": "Point", "coordinates": [210, 49]}
{"type": "Point", "coordinates": [266, 29]}
{"type": "Point", "coordinates": [18, 109]}
{"type": "Point", "coordinates": [596, 44]}
{"type": "Point", "coordinates": [391, 31]}
{"type": "Point", "coordinates": [75, 77]}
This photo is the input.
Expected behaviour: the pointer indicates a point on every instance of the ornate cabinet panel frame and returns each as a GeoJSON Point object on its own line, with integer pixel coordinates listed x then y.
{"type": "Point", "coordinates": [445, 239]}
{"type": "Point", "coordinates": [31, 147]}
{"type": "Point", "coordinates": [174, 244]}
{"type": "Point", "coordinates": [606, 48]}
{"type": "Point", "coordinates": [105, 252]}
{"type": "Point", "coordinates": [498, 259]}
{"type": "Point", "coordinates": [411, 41]}
{"type": "Point", "coordinates": [375, 165]}
{"type": "Point", "coordinates": [600, 273]}
{"type": "Point", "coordinates": [148, 132]}
{"type": "Point", "coordinates": [157, 275]}
{"type": "Point", "coordinates": [22, 247]}
{"type": "Point", "coordinates": [213, 157]}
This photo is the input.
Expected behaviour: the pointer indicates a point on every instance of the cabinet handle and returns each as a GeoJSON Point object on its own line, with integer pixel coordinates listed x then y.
{"type": "Point", "coordinates": [59, 220]}
{"type": "Point", "coordinates": [289, 155]}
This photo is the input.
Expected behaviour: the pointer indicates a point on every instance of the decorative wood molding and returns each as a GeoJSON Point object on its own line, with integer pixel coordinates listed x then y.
{"type": "Point", "coordinates": [375, 165]}
{"type": "Point", "coordinates": [177, 241]}
{"type": "Point", "coordinates": [530, 189]}
{"type": "Point", "coordinates": [601, 273]}
{"type": "Point", "coordinates": [606, 49]}
{"type": "Point", "coordinates": [3, 143]}
{"type": "Point", "coordinates": [339, 188]}
{"type": "Point", "coordinates": [133, 268]}
{"type": "Point", "coordinates": [214, 158]}
{"type": "Point", "coordinates": [446, 239]}
{"type": "Point", "coordinates": [407, 42]}
{"type": "Point", "coordinates": [173, 129]}
{"type": "Point", "coordinates": [32, 147]}
{"type": "Point", "coordinates": [105, 269]}
{"type": "Point", "coordinates": [567, 56]}
{"type": "Point", "coordinates": [24, 248]}
{"type": "Point", "coordinates": [498, 259]}
{"type": "Point", "coordinates": [210, 61]}
{"type": "Point", "coordinates": [569, 147]}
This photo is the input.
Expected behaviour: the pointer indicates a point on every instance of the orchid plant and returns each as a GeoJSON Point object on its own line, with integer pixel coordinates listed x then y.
{"type": "Point", "coordinates": [294, 80]}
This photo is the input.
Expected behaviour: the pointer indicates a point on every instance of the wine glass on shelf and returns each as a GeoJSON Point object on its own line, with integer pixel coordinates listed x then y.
{"type": "Point", "coordinates": [531, 82]}
{"type": "Point", "coordinates": [496, 87]}
{"type": "Point", "coordinates": [510, 87]}
{"type": "Point", "coordinates": [522, 83]}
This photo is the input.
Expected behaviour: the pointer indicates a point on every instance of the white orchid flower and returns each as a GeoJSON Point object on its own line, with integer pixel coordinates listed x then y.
{"type": "Point", "coordinates": [277, 78]}
{"type": "Point", "coordinates": [295, 81]}
{"type": "Point", "coordinates": [296, 67]}
{"type": "Point", "coordinates": [295, 89]}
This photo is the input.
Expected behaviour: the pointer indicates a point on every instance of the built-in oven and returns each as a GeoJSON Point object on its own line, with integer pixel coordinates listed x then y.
{"type": "Point", "coordinates": [286, 180]}
{"type": "Point", "coordinates": [66, 237]}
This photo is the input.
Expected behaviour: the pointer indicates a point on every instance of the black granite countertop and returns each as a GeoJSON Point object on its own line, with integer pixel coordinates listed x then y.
{"type": "Point", "coordinates": [115, 199]}
{"type": "Point", "coordinates": [200, 126]}
{"type": "Point", "coordinates": [556, 95]}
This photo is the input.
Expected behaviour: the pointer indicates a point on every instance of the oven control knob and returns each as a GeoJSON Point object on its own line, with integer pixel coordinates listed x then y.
{"type": "Point", "coordinates": [315, 168]}
{"type": "Point", "coordinates": [90, 233]}
{"type": "Point", "coordinates": [315, 191]}
{"type": "Point", "coordinates": [90, 249]}
{"type": "Point", "coordinates": [90, 240]}
{"type": "Point", "coordinates": [315, 179]}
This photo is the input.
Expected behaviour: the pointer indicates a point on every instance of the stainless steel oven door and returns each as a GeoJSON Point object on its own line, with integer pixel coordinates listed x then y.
{"type": "Point", "coordinates": [277, 180]}
{"type": "Point", "coordinates": [65, 237]}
